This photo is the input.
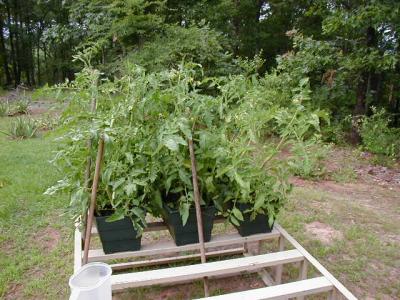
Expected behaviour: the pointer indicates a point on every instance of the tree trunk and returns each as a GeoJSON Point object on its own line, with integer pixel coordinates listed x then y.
{"type": "Point", "coordinates": [19, 60]}
{"type": "Point", "coordinates": [236, 25]}
{"type": "Point", "coordinates": [4, 55]}
{"type": "Point", "coordinates": [362, 91]}
{"type": "Point", "coordinates": [11, 39]}
{"type": "Point", "coordinates": [360, 108]}
{"type": "Point", "coordinates": [38, 61]}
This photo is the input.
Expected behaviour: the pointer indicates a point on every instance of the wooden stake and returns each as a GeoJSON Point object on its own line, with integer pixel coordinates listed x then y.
{"type": "Point", "coordinates": [198, 213]}
{"type": "Point", "coordinates": [87, 170]}
{"type": "Point", "coordinates": [93, 196]}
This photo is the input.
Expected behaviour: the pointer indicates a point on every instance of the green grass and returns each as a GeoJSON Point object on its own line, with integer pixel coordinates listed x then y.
{"type": "Point", "coordinates": [28, 267]}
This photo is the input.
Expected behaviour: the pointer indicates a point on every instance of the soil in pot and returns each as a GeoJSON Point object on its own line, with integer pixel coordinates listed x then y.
{"type": "Point", "coordinates": [188, 234]}
{"type": "Point", "coordinates": [117, 236]}
{"type": "Point", "coordinates": [247, 226]}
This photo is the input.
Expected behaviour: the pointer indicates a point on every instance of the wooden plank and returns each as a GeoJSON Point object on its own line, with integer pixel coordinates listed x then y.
{"type": "Point", "coordinates": [160, 225]}
{"type": "Point", "coordinates": [282, 291]}
{"type": "Point", "coordinates": [339, 286]}
{"type": "Point", "coordinates": [167, 247]}
{"type": "Point", "coordinates": [168, 260]}
{"type": "Point", "coordinates": [77, 250]}
{"type": "Point", "coordinates": [198, 271]}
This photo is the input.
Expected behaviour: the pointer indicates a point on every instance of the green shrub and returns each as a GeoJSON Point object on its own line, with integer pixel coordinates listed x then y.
{"type": "Point", "coordinates": [23, 128]}
{"type": "Point", "coordinates": [377, 136]}
{"type": "Point", "coordinates": [308, 159]}
{"type": "Point", "coordinates": [21, 107]}
{"type": "Point", "coordinates": [47, 122]}
{"type": "Point", "coordinates": [336, 131]}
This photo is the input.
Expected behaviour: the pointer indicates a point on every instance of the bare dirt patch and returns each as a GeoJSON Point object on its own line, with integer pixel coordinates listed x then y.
{"type": "Point", "coordinates": [14, 291]}
{"type": "Point", "coordinates": [377, 198]}
{"type": "Point", "coordinates": [48, 238]}
{"type": "Point", "coordinates": [381, 175]}
{"type": "Point", "coordinates": [39, 108]}
{"type": "Point", "coordinates": [323, 232]}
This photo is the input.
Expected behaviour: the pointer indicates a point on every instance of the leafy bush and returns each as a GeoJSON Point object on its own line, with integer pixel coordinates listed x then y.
{"type": "Point", "coordinates": [21, 107]}
{"type": "Point", "coordinates": [377, 136]}
{"type": "Point", "coordinates": [47, 122]}
{"type": "Point", "coordinates": [308, 159]}
{"type": "Point", "coordinates": [23, 127]}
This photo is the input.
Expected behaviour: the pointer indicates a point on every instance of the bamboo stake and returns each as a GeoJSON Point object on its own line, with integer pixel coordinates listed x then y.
{"type": "Point", "coordinates": [87, 170]}
{"type": "Point", "coordinates": [198, 213]}
{"type": "Point", "coordinates": [93, 196]}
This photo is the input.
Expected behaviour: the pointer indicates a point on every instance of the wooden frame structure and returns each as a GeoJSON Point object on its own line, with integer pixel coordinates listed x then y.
{"type": "Point", "coordinates": [159, 252]}
{"type": "Point", "coordinates": [165, 252]}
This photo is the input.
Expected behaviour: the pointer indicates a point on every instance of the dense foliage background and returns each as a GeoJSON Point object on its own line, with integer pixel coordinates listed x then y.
{"type": "Point", "coordinates": [349, 50]}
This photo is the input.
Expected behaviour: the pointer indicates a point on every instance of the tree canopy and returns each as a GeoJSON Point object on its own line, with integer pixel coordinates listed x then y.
{"type": "Point", "coordinates": [348, 49]}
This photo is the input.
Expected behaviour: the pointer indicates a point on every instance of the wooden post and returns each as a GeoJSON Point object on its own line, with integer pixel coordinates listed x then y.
{"type": "Point", "coordinates": [333, 295]}
{"type": "Point", "coordinates": [198, 213]}
{"type": "Point", "coordinates": [93, 196]}
{"type": "Point", "coordinates": [303, 273]}
{"type": "Point", "coordinates": [279, 269]}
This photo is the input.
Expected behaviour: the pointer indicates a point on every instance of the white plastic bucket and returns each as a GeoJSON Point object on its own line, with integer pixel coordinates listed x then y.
{"type": "Point", "coordinates": [91, 282]}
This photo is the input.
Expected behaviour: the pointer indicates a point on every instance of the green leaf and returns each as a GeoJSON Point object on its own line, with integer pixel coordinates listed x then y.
{"type": "Point", "coordinates": [116, 216]}
{"type": "Point", "coordinates": [129, 157]}
{"type": "Point", "coordinates": [234, 220]}
{"type": "Point", "coordinates": [140, 214]}
{"type": "Point", "coordinates": [172, 142]}
{"type": "Point", "coordinates": [271, 219]}
{"type": "Point", "coordinates": [184, 177]}
{"type": "Point", "coordinates": [243, 184]}
{"type": "Point", "coordinates": [259, 201]}
{"type": "Point", "coordinates": [130, 188]}
{"type": "Point", "coordinates": [184, 212]}
{"type": "Point", "coordinates": [117, 183]}
{"type": "Point", "coordinates": [237, 213]}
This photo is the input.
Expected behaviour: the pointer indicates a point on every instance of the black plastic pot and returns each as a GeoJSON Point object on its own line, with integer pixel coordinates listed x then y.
{"type": "Point", "coordinates": [117, 236]}
{"type": "Point", "coordinates": [188, 234]}
{"type": "Point", "coordinates": [247, 226]}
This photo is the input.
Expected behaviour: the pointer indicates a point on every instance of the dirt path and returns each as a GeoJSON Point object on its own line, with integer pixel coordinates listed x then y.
{"type": "Point", "coordinates": [353, 228]}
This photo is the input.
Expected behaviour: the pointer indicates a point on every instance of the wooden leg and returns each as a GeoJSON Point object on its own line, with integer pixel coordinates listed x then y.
{"type": "Point", "coordinates": [303, 273]}
{"type": "Point", "coordinates": [279, 269]}
{"type": "Point", "coordinates": [252, 248]}
{"type": "Point", "coordinates": [333, 295]}
{"type": "Point", "coordinates": [257, 247]}
{"type": "Point", "coordinates": [246, 247]}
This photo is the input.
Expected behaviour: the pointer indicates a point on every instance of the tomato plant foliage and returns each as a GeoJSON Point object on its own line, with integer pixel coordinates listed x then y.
{"type": "Point", "coordinates": [146, 121]}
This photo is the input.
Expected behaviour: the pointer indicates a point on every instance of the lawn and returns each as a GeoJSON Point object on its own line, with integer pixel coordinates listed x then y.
{"type": "Point", "coordinates": [351, 225]}
{"type": "Point", "coordinates": [35, 237]}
